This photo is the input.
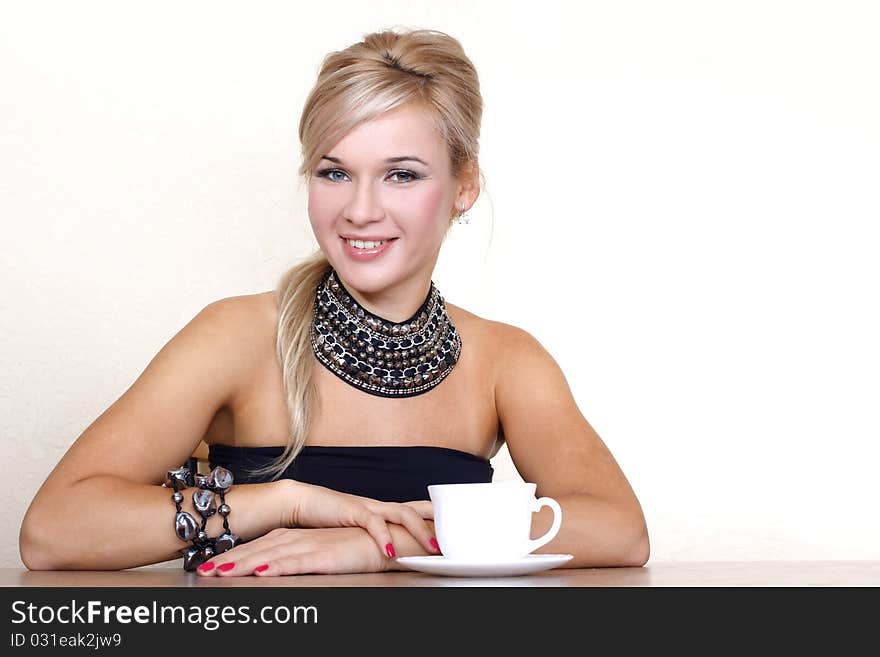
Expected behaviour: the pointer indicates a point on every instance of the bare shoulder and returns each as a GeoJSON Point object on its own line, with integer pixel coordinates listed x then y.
{"type": "Point", "coordinates": [243, 326]}
{"type": "Point", "coordinates": [464, 319]}
{"type": "Point", "coordinates": [512, 338]}
{"type": "Point", "coordinates": [507, 347]}
{"type": "Point", "coordinates": [499, 338]}
{"type": "Point", "coordinates": [247, 311]}
{"type": "Point", "coordinates": [522, 363]}
{"type": "Point", "coordinates": [467, 320]}
{"type": "Point", "coordinates": [223, 342]}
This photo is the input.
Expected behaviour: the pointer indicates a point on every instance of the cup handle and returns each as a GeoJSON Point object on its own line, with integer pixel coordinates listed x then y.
{"type": "Point", "coordinates": [534, 544]}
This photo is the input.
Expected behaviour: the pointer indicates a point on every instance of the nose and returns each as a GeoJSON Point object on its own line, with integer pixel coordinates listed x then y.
{"type": "Point", "coordinates": [365, 206]}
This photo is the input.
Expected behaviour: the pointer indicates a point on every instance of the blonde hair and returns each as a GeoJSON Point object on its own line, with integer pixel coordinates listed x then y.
{"type": "Point", "coordinates": [386, 70]}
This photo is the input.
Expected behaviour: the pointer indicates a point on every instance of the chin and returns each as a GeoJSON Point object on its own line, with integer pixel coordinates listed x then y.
{"type": "Point", "coordinates": [362, 280]}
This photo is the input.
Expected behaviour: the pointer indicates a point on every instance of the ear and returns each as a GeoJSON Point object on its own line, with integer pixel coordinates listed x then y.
{"type": "Point", "coordinates": [468, 186]}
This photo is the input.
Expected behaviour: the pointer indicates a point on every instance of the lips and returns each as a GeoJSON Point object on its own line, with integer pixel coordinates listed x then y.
{"type": "Point", "coordinates": [365, 254]}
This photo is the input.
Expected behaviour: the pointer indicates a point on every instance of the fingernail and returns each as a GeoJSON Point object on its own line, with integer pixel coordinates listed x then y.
{"type": "Point", "coordinates": [260, 569]}
{"type": "Point", "coordinates": [226, 566]}
{"type": "Point", "coordinates": [434, 544]}
{"type": "Point", "coordinates": [389, 550]}
{"type": "Point", "coordinates": [205, 567]}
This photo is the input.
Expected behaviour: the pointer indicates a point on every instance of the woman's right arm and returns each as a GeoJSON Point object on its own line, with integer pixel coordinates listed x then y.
{"type": "Point", "coordinates": [102, 506]}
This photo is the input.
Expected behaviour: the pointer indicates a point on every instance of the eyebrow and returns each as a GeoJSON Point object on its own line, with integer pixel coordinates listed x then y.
{"type": "Point", "coordinates": [390, 160]}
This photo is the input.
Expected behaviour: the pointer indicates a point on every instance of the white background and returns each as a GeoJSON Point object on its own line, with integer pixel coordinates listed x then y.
{"type": "Point", "coordinates": [682, 206]}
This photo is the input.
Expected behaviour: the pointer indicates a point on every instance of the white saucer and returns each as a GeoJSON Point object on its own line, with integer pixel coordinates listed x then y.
{"type": "Point", "coordinates": [440, 565]}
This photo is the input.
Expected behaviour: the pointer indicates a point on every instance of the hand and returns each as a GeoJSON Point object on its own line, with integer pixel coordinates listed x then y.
{"type": "Point", "coordinates": [300, 551]}
{"type": "Point", "coordinates": [317, 506]}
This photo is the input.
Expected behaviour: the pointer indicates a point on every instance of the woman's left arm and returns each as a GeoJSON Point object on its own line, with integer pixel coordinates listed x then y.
{"type": "Point", "coordinates": [552, 445]}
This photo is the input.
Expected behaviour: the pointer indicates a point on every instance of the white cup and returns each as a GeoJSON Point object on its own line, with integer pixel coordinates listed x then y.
{"type": "Point", "coordinates": [489, 521]}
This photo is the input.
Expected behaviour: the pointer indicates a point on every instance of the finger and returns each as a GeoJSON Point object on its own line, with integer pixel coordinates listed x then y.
{"type": "Point", "coordinates": [254, 562]}
{"type": "Point", "coordinates": [207, 569]}
{"type": "Point", "coordinates": [425, 508]}
{"type": "Point", "coordinates": [239, 559]}
{"type": "Point", "coordinates": [211, 567]}
{"type": "Point", "coordinates": [312, 562]}
{"type": "Point", "coordinates": [409, 518]}
{"type": "Point", "coordinates": [376, 527]}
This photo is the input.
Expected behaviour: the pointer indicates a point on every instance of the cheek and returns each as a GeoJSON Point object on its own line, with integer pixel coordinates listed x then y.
{"type": "Point", "coordinates": [433, 200]}
{"type": "Point", "coordinates": [320, 209]}
{"type": "Point", "coordinates": [314, 202]}
{"type": "Point", "coordinates": [428, 208]}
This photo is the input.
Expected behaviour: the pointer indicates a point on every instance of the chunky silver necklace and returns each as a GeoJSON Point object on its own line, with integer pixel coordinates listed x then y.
{"type": "Point", "coordinates": [380, 357]}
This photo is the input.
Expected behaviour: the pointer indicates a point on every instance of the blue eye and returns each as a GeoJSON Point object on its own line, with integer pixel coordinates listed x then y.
{"type": "Point", "coordinates": [328, 174]}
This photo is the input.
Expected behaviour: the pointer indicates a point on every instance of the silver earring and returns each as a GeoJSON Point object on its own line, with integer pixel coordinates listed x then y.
{"type": "Point", "coordinates": [462, 217]}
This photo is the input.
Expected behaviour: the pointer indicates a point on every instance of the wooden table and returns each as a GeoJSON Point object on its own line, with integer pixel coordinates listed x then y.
{"type": "Point", "coordinates": [655, 574]}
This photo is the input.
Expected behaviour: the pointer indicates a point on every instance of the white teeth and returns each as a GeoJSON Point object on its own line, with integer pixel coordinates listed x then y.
{"type": "Point", "coordinates": [361, 244]}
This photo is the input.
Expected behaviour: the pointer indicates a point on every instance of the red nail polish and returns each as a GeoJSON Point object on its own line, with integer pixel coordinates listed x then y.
{"type": "Point", "coordinates": [434, 544]}
{"type": "Point", "coordinates": [260, 569]}
{"type": "Point", "coordinates": [389, 550]}
{"type": "Point", "coordinates": [205, 567]}
{"type": "Point", "coordinates": [226, 566]}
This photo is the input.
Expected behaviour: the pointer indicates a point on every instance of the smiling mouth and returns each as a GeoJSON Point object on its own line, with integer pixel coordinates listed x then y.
{"type": "Point", "coordinates": [366, 245]}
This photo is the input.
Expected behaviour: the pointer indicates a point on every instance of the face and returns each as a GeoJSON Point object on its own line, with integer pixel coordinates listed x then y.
{"type": "Point", "coordinates": [388, 180]}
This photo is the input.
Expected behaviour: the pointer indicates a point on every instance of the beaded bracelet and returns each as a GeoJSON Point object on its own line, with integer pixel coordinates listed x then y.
{"type": "Point", "coordinates": [186, 527]}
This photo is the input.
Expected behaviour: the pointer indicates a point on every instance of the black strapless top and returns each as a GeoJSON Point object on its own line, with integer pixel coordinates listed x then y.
{"type": "Point", "coordinates": [387, 473]}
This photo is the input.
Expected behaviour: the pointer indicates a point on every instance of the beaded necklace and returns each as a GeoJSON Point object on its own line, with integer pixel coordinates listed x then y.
{"type": "Point", "coordinates": [380, 357]}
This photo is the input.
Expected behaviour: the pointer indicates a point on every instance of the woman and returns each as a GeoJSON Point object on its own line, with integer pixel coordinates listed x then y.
{"type": "Point", "coordinates": [354, 375]}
